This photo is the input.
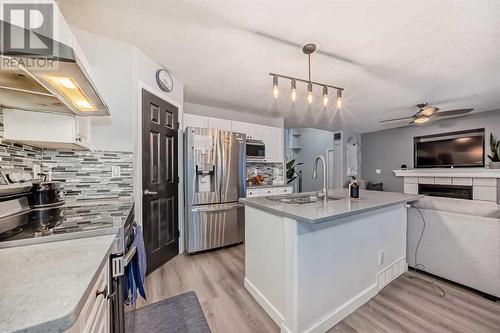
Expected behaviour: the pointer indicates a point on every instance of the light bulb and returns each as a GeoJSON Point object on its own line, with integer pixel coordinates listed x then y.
{"type": "Point", "coordinates": [294, 90]}
{"type": "Point", "coordinates": [310, 93]}
{"type": "Point", "coordinates": [66, 82]}
{"type": "Point", "coordinates": [275, 86]}
{"type": "Point", "coordinates": [325, 96]}
{"type": "Point", "coordinates": [428, 111]}
{"type": "Point", "coordinates": [84, 104]}
{"type": "Point", "coordinates": [339, 99]}
{"type": "Point", "coordinates": [421, 120]}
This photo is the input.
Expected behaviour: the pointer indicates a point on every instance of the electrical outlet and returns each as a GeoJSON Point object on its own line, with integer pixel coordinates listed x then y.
{"type": "Point", "coordinates": [115, 171]}
{"type": "Point", "coordinates": [378, 171]}
{"type": "Point", "coordinates": [381, 258]}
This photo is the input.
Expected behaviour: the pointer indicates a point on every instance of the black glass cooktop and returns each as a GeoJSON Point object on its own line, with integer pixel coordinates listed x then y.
{"type": "Point", "coordinates": [69, 218]}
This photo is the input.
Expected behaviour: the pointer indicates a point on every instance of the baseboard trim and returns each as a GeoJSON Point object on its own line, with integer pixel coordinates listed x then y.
{"type": "Point", "coordinates": [340, 313]}
{"type": "Point", "coordinates": [266, 305]}
{"type": "Point", "coordinates": [390, 273]}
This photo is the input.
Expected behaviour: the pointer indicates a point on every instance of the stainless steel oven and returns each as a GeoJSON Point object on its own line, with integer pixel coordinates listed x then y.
{"type": "Point", "coordinates": [121, 256]}
{"type": "Point", "coordinates": [256, 150]}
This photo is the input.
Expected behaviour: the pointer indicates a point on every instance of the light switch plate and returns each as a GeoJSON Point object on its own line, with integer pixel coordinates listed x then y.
{"type": "Point", "coordinates": [115, 171]}
{"type": "Point", "coordinates": [378, 171]}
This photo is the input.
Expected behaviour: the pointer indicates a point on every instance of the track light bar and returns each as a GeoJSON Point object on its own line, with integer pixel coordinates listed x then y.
{"type": "Point", "coordinates": [307, 49]}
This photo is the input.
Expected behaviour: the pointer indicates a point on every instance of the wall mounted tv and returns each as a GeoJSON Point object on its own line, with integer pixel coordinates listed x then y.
{"type": "Point", "coordinates": [449, 150]}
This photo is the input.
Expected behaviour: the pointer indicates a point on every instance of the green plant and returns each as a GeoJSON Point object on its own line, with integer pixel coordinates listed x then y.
{"type": "Point", "coordinates": [495, 149]}
{"type": "Point", "coordinates": [291, 173]}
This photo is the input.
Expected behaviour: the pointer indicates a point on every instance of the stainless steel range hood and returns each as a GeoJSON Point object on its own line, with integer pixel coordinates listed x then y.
{"type": "Point", "coordinates": [63, 87]}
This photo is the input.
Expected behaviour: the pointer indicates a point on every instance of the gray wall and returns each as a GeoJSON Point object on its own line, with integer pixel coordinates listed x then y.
{"type": "Point", "coordinates": [386, 150]}
{"type": "Point", "coordinates": [313, 142]}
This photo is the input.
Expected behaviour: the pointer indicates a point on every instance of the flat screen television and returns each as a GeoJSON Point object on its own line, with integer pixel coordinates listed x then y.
{"type": "Point", "coordinates": [450, 150]}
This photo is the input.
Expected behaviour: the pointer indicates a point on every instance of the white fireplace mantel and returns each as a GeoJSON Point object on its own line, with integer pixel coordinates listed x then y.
{"type": "Point", "coordinates": [485, 183]}
{"type": "Point", "coordinates": [450, 172]}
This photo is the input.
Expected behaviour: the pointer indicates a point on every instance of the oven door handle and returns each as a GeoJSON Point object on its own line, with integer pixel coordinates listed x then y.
{"type": "Point", "coordinates": [127, 258]}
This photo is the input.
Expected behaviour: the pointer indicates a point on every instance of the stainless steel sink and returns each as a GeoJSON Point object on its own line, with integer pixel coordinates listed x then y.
{"type": "Point", "coordinates": [299, 198]}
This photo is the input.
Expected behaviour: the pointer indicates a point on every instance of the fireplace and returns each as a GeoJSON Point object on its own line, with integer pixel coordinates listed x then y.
{"type": "Point", "coordinates": [447, 191]}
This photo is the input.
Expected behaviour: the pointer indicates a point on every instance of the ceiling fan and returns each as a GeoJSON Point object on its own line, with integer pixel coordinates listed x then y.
{"type": "Point", "coordinates": [426, 112]}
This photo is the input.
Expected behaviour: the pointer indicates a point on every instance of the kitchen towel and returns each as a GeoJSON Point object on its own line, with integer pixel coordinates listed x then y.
{"type": "Point", "coordinates": [135, 272]}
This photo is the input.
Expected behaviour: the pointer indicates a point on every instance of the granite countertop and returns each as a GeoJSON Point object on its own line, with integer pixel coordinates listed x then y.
{"type": "Point", "coordinates": [317, 212]}
{"type": "Point", "coordinates": [44, 286]}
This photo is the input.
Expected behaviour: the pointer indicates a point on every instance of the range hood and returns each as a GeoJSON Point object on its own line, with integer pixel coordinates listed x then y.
{"type": "Point", "coordinates": [64, 87]}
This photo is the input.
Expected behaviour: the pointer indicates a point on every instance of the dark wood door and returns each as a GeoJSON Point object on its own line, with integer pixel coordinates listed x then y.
{"type": "Point", "coordinates": [159, 180]}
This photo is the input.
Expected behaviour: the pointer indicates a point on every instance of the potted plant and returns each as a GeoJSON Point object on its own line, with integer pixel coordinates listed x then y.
{"type": "Point", "coordinates": [291, 173]}
{"type": "Point", "coordinates": [495, 153]}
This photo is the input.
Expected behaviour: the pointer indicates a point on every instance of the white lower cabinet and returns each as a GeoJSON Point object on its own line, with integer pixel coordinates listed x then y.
{"type": "Point", "coordinates": [262, 192]}
{"type": "Point", "coordinates": [47, 130]}
{"type": "Point", "coordinates": [96, 312]}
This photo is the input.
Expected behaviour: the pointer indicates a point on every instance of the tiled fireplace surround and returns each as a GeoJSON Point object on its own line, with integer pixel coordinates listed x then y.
{"type": "Point", "coordinates": [485, 183]}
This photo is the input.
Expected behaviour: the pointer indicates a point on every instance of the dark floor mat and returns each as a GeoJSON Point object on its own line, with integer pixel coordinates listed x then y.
{"type": "Point", "coordinates": [178, 314]}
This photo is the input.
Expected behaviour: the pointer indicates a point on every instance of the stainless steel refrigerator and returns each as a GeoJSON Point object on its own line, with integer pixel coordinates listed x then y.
{"type": "Point", "coordinates": [215, 179]}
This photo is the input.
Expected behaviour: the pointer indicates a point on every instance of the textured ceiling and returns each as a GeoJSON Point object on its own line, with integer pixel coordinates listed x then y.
{"type": "Point", "coordinates": [388, 55]}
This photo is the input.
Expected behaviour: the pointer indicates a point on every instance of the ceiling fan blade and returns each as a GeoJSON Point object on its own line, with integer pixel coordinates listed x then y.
{"type": "Point", "coordinates": [457, 112]}
{"type": "Point", "coordinates": [395, 119]}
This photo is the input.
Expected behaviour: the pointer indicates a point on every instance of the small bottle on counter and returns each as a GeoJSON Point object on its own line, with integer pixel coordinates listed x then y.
{"type": "Point", "coordinates": [354, 188]}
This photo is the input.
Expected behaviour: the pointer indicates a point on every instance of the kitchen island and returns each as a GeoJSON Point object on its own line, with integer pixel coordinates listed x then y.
{"type": "Point", "coordinates": [310, 265]}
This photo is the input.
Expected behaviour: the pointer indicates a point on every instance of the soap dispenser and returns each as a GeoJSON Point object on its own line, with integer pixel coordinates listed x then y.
{"type": "Point", "coordinates": [354, 188]}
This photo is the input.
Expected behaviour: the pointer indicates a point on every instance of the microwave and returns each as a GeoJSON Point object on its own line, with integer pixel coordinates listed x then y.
{"type": "Point", "coordinates": [256, 150]}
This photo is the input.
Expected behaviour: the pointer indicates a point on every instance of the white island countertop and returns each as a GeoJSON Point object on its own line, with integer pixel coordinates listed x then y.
{"type": "Point", "coordinates": [317, 212]}
{"type": "Point", "coordinates": [43, 286]}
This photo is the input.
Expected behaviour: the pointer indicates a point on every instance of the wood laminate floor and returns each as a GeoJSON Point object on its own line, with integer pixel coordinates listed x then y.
{"type": "Point", "coordinates": [406, 305]}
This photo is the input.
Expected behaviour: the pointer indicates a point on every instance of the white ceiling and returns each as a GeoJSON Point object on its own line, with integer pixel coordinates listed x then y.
{"type": "Point", "coordinates": [388, 55]}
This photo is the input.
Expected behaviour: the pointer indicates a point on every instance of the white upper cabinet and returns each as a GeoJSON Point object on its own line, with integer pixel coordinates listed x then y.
{"type": "Point", "coordinates": [192, 120]}
{"type": "Point", "coordinates": [239, 127]}
{"type": "Point", "coordinates": [255, 132]}
{"type": "Point", "coordinates": [47, 130]}
{"type": "Point", "coordinates": [220, 124]}
{"type": "Point", "coordinates": [272, 136]}
{"type": "Point", "coordinates": [273, 139]}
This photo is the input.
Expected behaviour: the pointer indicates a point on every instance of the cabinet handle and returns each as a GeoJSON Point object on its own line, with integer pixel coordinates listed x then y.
{"type": "Point", "coordinates": [78, 139]}
{"type": "Point", "coordinates": [103, 292]}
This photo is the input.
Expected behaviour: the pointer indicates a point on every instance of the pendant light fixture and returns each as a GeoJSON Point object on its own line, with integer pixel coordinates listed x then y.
{"type": "Point", "coordinates": [293, 94]}
{"type": "Point", "coordinates": [275, 86]}
{"type": "Point", "coordinates": [310, 93]}
{"type": "Point", "coordinates": [325, 96]}
{"type": "Point", "coordinates": [307, 49]}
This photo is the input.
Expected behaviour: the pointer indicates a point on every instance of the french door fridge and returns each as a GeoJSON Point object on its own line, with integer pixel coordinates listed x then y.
{"type": "Point", "coordinates": [215, 179]}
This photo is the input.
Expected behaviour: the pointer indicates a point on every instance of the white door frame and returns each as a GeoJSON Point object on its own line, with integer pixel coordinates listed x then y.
{"type": "Point", "coordinates": [138, 156]}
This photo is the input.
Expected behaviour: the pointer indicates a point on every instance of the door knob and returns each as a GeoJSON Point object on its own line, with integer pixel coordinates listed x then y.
{"type": "Point", "coordinates": [148, 192]}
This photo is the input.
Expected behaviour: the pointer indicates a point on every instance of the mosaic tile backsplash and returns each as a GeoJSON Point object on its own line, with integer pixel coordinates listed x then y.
{"type": "Point", "coordinates": [86, 175]}
{"type": "Point", "coordinates": [266, 170]}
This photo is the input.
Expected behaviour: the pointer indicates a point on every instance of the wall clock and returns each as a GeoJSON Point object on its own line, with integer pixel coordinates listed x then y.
{"type": "Point", "coordinates": [164, 80]}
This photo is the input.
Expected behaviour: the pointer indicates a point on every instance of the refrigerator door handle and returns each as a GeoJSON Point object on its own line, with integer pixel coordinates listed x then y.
{"type": "Point", "coordinates": [216, 209]}
{"type": "Point", "coordinates": [220, 164]}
